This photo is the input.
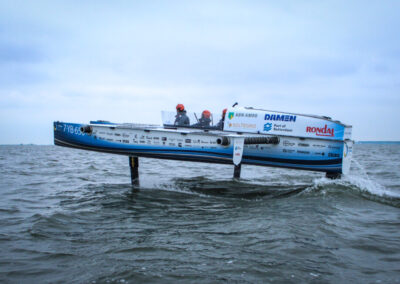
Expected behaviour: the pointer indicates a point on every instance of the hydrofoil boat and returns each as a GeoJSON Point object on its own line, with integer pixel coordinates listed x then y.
{"type": "Point", "coordinates": [241, 136]}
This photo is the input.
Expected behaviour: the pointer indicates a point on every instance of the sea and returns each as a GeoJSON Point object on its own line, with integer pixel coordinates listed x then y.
{"type": "Point", "coordinates": [72, 216]}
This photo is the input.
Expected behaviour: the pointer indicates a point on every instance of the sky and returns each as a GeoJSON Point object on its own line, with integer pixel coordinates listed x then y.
{"type": "Point", "coordinates": [126, 61]}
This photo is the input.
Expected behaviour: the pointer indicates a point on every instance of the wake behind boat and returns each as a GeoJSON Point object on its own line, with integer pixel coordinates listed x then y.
{"type": "Point", "coordinates": [241, 136]}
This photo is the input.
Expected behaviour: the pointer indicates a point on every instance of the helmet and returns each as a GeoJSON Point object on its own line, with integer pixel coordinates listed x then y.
{"type": "Point", "coordinates": [206, 114]}
{"type": "Point", "coordinates": [224, 111]}
{"type": "Point", "coordinates": [180, 107]}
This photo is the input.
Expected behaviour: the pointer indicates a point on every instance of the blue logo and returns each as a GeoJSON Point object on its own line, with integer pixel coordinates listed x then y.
{"type": "Point", "coordinates": [280, 117]}
{"type": "Point", "coordinates": [267, 126]}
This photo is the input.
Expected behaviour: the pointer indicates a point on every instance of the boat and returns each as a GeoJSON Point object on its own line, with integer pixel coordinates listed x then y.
{"type": "Point", "coordinates": [241, 136]}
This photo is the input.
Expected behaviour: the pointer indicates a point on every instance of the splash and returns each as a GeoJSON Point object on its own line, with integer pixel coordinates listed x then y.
{"type": "Point", "coordinates": [359, 178]}
{"type": "Point", "coordinates": [360, 182]}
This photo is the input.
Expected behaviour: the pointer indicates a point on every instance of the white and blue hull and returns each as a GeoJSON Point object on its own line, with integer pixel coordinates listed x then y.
{"type": "Point", "coordinates": [314, 154]}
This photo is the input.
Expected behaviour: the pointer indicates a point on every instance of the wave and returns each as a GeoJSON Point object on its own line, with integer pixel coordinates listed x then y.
{"type": "Point", "coordinates": [361, 186]}
{"type": "Point", "coordinates": [243, 189]}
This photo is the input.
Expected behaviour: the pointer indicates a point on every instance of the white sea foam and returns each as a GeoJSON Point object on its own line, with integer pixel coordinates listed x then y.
{"type": "Point", "coordinates": [358, 180]}
{"type": "Point", "coordinates": [358, 177]}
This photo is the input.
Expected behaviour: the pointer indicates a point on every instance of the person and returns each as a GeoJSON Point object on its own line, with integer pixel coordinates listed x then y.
{"type": "Point", "coordinates": [181, 119]}
{"type": "Point", "coordinates": [220, 124]}
{"type": "Point", "coordinates": [205, 119]}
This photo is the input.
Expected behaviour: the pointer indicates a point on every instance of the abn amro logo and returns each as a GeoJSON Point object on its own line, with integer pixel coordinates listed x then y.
{"type": "Point", "coordinates": [230, 115]}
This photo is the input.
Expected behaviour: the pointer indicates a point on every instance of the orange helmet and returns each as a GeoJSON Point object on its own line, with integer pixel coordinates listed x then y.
{"type": "Point", "coordinates": [206, 114]}
{"type": "Point", "coordinates": [180, 107]}
{"type": "Point", "coordinates": [224, 111]}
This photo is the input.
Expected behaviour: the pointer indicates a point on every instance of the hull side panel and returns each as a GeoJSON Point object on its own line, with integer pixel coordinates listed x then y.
{"type": "Point", "coordinates": [295, 153]}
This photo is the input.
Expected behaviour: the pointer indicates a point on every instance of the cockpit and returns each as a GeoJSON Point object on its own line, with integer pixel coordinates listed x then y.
{"type": "Point", "coordinates": [197, 120]}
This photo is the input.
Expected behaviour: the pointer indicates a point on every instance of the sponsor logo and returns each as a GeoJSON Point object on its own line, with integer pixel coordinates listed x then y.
{"type": "Point", "coordinates": [347, 150]}
{"type": "Point", "coordinates": [280, 117]}
{"type": "Point", "coordinates": [319, 146]}
{"type": "Point", "coordinates": [303, 145]}
{"type": "Point", "coordinates": [334, 147]}
{"type": "Point", "coordinates": [179, 144]}
{"type": "Point", "coordinates": [288, 143]}
{"type": "Point", "coordinates": [164, 138]}
{"type": "Point", "coordinates": [230, 115]}
{"type": "Point", "coordinates": [303, 152]}
{"type": "Point", "coordinates": [267, 126]}
{"type": "Point", "coordinates": [248, 125]}
{"type": "Point", "coordinates": [287, 150]}
{"type": "Point", "coordinates": [282, 128]}
{"type": "Point", "coordinates": [321, 131]}
{"type": "Point", "coordinates": [241, 114]}
{"type": "Point", "coordinates": [251, 115]}
{"type": "Point", "coordinates": [320, 153]}
{"type": "Point", "coordinates": [188, 141]}
{"type": "Point", "coordinates": [333, 155]}
{"type": "Point", "coordinates": [243, 125]}
{"type": "Point", "coordinates": [125, 141]}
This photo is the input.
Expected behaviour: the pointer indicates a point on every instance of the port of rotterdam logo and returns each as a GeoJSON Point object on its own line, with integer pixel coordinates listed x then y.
{"type": "Point", "coordinates": [267, 126]}
{"type": "Point", "coordinates": [230, 115]}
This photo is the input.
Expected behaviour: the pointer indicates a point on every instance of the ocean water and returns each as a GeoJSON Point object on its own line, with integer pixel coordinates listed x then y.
{"type": "Point", "coordinates": [68, 215]}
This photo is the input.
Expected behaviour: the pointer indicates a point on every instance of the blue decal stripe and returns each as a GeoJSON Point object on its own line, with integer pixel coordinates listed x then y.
{"type": "Point", "coordinates": [295, 161]}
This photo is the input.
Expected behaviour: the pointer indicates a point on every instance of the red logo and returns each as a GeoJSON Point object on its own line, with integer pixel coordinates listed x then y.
{"type": "Point", "coordinates": [321, 131]}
